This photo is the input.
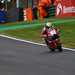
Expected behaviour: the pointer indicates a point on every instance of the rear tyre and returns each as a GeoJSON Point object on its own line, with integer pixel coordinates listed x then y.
{"type": "Point", "coordinates": [60, 48]}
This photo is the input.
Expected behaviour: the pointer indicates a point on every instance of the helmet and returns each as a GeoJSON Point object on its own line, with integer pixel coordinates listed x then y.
{"type": "Point", "coordinates": [48, 24]}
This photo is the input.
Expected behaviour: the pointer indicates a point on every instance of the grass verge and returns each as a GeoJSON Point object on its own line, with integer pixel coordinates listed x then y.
{"type": "Point", "coordinates": [33, 33]}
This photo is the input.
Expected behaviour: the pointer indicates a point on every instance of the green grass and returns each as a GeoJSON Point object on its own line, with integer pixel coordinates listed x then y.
{"type": "Point", "coordinates": [68, 36]}
{"type": "Point", "coordinates": [33, 33]}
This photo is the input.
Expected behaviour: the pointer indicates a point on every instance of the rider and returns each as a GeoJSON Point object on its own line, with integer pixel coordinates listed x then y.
{"type": "Point", "coordinates": [51, 33]}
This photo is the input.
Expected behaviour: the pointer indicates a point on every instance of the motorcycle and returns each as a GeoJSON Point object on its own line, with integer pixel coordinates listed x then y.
{"type": "Point", "coordinates": [53, 43]}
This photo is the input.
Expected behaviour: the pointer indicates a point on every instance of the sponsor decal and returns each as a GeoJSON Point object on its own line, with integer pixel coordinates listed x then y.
{"type": "Point", "coordinates": [70, 9]}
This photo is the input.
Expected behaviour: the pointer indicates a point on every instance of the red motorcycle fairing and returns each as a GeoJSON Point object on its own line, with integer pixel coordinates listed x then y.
{"type": "Point", "coordinates": [53, 44]}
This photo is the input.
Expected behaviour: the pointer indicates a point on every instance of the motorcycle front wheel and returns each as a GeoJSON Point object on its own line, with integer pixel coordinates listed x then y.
{"type": "Point", "coordinates": [48, 45]}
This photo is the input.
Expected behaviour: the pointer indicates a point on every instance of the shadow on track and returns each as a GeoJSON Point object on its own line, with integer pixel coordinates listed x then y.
{"type": "Point", "coordinates": [50, 52]}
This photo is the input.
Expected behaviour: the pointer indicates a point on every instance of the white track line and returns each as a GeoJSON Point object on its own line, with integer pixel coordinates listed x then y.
{"type": "Point", "coordinates": [5, 36]}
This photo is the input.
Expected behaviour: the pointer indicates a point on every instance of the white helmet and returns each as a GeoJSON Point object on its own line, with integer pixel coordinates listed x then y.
{"type": "Point", "coordinates": [48, 24]}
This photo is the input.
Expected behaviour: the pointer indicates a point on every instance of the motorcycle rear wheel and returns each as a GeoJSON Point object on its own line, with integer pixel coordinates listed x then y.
{"type": "Point", "coordinates": [60, 48]}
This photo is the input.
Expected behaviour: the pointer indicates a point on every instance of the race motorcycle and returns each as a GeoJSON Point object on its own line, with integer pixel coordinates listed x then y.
{"type": "Point", "coordinates": [53, 43]}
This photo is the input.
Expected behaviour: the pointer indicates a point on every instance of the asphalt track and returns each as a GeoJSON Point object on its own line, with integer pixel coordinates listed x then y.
{"type": "Point", "coordinates": [20, 58]}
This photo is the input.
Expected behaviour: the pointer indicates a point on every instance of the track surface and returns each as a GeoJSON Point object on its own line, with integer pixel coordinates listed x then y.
{"type": "Point", "coordinates": [19, 58]}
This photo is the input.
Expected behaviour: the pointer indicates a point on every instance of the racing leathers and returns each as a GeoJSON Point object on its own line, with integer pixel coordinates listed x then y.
{"type": "Point", "coordinates": [51, 34]}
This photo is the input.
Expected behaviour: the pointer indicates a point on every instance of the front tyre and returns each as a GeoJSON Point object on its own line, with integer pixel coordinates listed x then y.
{"type": "Point", "coordinates": [52, 50]}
